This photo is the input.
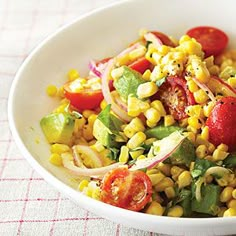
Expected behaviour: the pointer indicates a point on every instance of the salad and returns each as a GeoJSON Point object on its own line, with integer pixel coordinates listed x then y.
{"type": "Point", "coordinates": [152, 129]}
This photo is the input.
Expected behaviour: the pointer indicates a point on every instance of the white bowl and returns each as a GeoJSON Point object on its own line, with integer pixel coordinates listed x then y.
{"type": "Point", "coordinates": [97, 35]}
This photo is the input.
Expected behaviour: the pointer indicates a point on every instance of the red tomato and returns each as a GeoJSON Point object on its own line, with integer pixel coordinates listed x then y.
{"type": "Point", "coordinates": [140, 65]}
{"type": "Point", "coordinates": [84, 99]}
{"type": "Point", "coordinates": [164, 38]}
{"type": "Point", "coordinates": [126, 189]}
{"type": "Point", "coordinates": [222, 123]}
{"type": "Point", "coordinates": [175, 96]}
{"type": "Point", "coordinates": [213, 40]}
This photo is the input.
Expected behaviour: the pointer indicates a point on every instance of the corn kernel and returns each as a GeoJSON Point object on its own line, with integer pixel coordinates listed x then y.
{"type": "Point", "coordinates": [124, 154]}
{"type": "Point", "coordinates": [73, 74]}
{"type": "Point", "coordinates": [136, 53]}
{"type": "Point", "coordinates": [88, 113]}
{"type": "Point", "coordinates": [208, 108]}
{"type": "Point", "coordinates": [170, 192]}
{"type": "Point", "coordinates": [150, 124]}
{"type": "Point", "coordinates": [166, 182]}
{"type": "Point", "coordinates": [201, 151]}
{"type": "Point", "coordinates": [226, 194]}
{"type": "Point", "coordinates": [87, 132]}
{"type": "Point", "coordinates": [230, 212]}
{"type": "Point", "coordinates": [129, 132]}
{"type": "Point", "coordinates": [147, 89]}
{"type": "Point", "coordinates": [84, 183]}
{"type": "Point", "coordinates": [51, 90]}
{"type": "Point", "coordinates": [221, 211]}
{"type": "Point", "coordinates": [232, 82]}
{"type": "Point", "coordinates": [155, 208]}
{"type": "Point", "coordinates": [96, 193]}
{"type": "Point", "coordinates": [175, 172]}
{"type": "Point", "coordinates": [234, 193]}
{"type": "Point", "coordinates": [192, 86]}
{"type": "Point", "coordinates": [136, 154]}
{"type": "Point", "coordinates": [211, 148]}
{"type": "Point", "coordinates": [219, 155]}
{"type": "Point", "coordinates": [223, 147]}
{"type": "Point", "coordinates": [137, 124]}
{"type": "Point", "coordinates": [103, 104]}
{"type": "Point", "coordinates": [152, 115]}
{"type": "Point", "coordinates": [59, 148]}
{"type": "Point", "coordinates": [55, 159]}
{"type": "Point", "coordinates": [164, 168]}
{"type": "Point", "coordinates": [231, 203]}
{"type": "Point", "coordinates": [157, 104]}
{"type": "Point", "coordinates": [176, 211]}
{"type": "Point", "coordinates": [184, 179]}
{"type": "Point", "coordinates": [200, 96]}
{"type": "Point", "coordinates": [205, 133]}
{"type": "Point", "coordinates": [92, 118]}
{"type": "Point", "coordinates": [214, 70]}
{"type": "Point", "coordinates": [117, 72]}
{"type": "Point", "coordinates": [191, 136]}
{"type": "Point", "coordinates": [147, 74]}
{"type": "Point", "coordinates": [194, 122]}
{"type": "Point", "coordinates": [156, 178]}
{"type": "Point", "coordinates": [136, 140]}
{"type": "Point", "coordinates": [168, 120]}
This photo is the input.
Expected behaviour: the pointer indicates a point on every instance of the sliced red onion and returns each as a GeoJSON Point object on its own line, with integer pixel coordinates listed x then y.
{"type": "Point", "coordinates": [153, 39]}
{"type": "Point", "coordinates": [93, 67]}
{"type": "Point", "coordinates": [166, 147]}
{"type": "Point", "coordinates": [90, 153]}
{"type": "Point", "coordinates": [107, 93]}
{"type": "Point", "coordinates": [68, 163]}
{"type": "Point", "coordinates": [205, 88]}
{"type": "Point", "coordinates": [129, 49]}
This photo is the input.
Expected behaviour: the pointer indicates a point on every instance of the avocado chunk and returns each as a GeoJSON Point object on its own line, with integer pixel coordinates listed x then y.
{"type": "Point", "coordinates": [230, 161]}
{"type": "Point", "coordinates": [58, 127]}
{"type": "Point", "coordinates": [128, 82]}
{"type": "Point", "coordinates": [161, 131]}
{"type": "Point", "coordinates": [106, 128]}
{"type": "Point", "coordinates": [186, 198]}
{"type": "Point", "coordinates": [209, 203]}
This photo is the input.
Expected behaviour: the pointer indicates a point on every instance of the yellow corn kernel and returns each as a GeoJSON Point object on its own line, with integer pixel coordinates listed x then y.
{"type": "Point", "coordinates": [88, 113]}
{"type": "Point", "coordinates": [230, 212]}
{"type": "Point", "coordinates": [223, 147]}
{"type": "Point", "coordinates": [60, 109]}
{"type": "Point", "coordinates": [226, 194]}
{"type": "Point", "coordinates": [209, 61]}
{"type": "Point", "coordinates": [232, 82]}
{"type": "Point", "coordinates": [60, 92]}
{"type": "Point", "coordinates": [149, 54]}
{"type": "Point", "coordinates": [136, 154]}
{"type": "Point", "coordinates": [155, 208]}
{"type": "Point", "coordinates": [211, 148]}
{"type": "Point", "coordinates": [234, 193]}
{"type": "Point", "coordinates": [87, 132]}
{"type": "Point", "coordinates": [51, 90]}
{"type": "Point", "coordinates": [147, 74]}
{"type": "Point", "coordinates": [205, 133]}
{"type": "Point", "coordinates": [164, 168]}
{"type": "Point", "coordinates": [136, 140]}
{"type": "Point", "coordinates": [194, 122]}
{"type": "Point", "coordinates": [59, 148]}
{"type": "Point", "coordinates": [208, 108]}
{"type": "Point", "coordinates": [129, 131]}
{"type": "Point", "coordinates": [55, 159]}
{"type": "Point", "coordinates": [103, 104]}
{"type": "Point", "coordinates": [150, 141]}
{"type": "Point", "coordinates": [166, 182]}
{"type": "Point", "coordinates": [141, 157]}
{"type": "Point", "coordinates": [231, 203]}
{"type": "Point", "coordinates": [219, 155]}
{"type": "Point", "coordinates": [92, 118]}
{"type": "Point", "coordinates": [156, 178]}
{"type": "Point", "coordinates": [157, 104]}
{"type": "Point", "coordinates": [96, 193]}
{"type": "Point", "coordinates": [73, 74]}
{"type": "Point", "coordinates": [195, 110]}
{"type": "Point", "coordinates": [169, 120]}
{"type": "Point", "coordinates": [170, 192]}
{"type": "Point", "coordinates": [134, 106]}
{"type": "Point", "coordinates": [152, 115]}
{"type": "Point", "coordinates": [202, 73]}
{"type": "Point", "coordinates": [84, 183]}
{"type": "Point", "coordinates": [175, 172]}
{"type": "Point", "coordinates": [192, 86]}
{"type": "Point", "coordinates": [201, 151]}
{"type": "Point", "coordinates": [147, 89]}
{"type": "Point", "coordinates": [152, 171]}
{"type": "Point", "coordinates": [117, 72]}
{"type": "Point", "coordinates": [98, 146]}
{"type": "Point", "coordinates": [200, 96]}
{"type": "Point", "coordinates": [123, 60]}
{"type": "Point", "coordinates": [137, 124]}
{"type": "Point", "coordinates": [124, 154]}
{"type": "Point", "coordinates": [150, 124]}
{"type": "Point", "coordinates": [184, 179]}
{"type": "Point", "coordinates": [214, 70]}
{"type": "Point", "coordinates": [199, 140]}
{"type": "Point", "coordinates": [80, 123]}
{"type": "Point", "coordinates": [191, 136]}
{"type": "Point", "coordinates": [176, 211]}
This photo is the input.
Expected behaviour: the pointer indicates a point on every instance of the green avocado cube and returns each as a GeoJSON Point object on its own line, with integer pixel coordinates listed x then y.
{"type": "Point", "coordinates": [58, 127]}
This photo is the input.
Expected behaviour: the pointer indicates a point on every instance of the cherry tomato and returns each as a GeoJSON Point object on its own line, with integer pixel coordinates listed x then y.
{"type": "Point", "coordinates": [126, 189]}
{"type": "Point", "coordinates": [175, 96]}
{"type": "Point", "coordinates": [164, 38]}
{"type": "Point", "coordinates": [213, 40]}
{"type": "Point", "coordinates": [140, 65]}
{"type": "Point", "coordinates": [222, 123]}
{"type": "Point", "coordinates": [83, 99]}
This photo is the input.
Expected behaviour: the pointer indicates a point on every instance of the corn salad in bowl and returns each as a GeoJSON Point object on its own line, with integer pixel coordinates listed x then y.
{"type": "Point", "coordinates": [153, 129]}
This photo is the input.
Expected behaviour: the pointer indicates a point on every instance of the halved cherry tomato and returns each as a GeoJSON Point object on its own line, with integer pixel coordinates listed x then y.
{"type": "Point", "coordinates": [213, 40]}
{"type": "Point", "coordinates": [83, 99]}
{"type": "Point", "coordinates": [126, 189]}
{"type": "Point", "coordinates": [175, 96]}
{"type": "Point", "coordinates": [164, 38]}
{"type": "Point", "coordinates": [140, 65]}
{"type": "Point", "coordinates": [222, 123]}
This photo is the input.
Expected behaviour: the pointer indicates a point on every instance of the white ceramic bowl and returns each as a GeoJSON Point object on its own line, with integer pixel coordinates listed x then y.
{"type": "Point", "coordinates": [97, 35]}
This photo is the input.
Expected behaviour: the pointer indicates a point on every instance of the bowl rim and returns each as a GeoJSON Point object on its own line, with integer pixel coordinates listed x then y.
{"type": "Point", "coordinates": [71, 193]}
